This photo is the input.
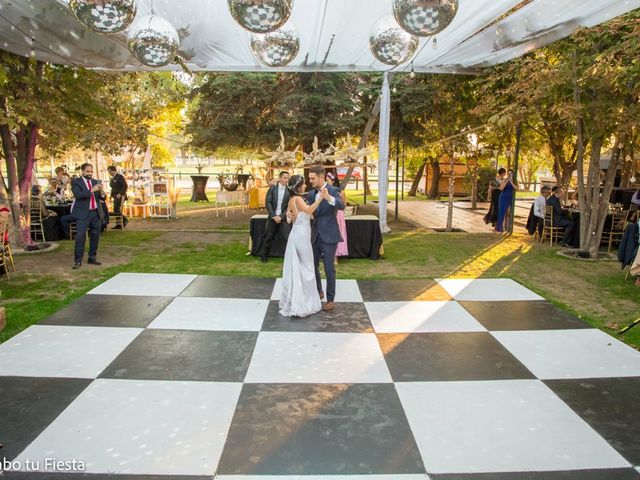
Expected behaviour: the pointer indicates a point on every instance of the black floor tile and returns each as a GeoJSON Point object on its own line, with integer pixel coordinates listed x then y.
{"type": "Point", "coordinates": [28, 405]}
{"type": "Point", "coordinates": [346, 317]}
{"type": "Point", "coordinates": [604, 474]}
{"type": "Point", "coordinates": [328, 429]}
{"type": "Point", "coordinates": [522, 315]}
{"type": "Point", "coordinates": [230, 287]}
{"type": "Point", "coordinates": [610, 406]}
{"type": "Point", "coordinates": [110, 311]}
{"type": "Point", "coordinates": [449, 356]}
{"type": "Point", "coordinates": [401, 290]}
{"type": "Point", "coordinates": [185, 355]}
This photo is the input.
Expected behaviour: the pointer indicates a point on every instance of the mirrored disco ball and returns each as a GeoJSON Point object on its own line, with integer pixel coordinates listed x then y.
{"type": "Point", "coordinates": [391, 44]}
{"type": "Point", "coordinates": [260, 16]}
{"type": "Point", "coordinates": [153, 41]}
{"type": "Point", "coordinates": [276, 49]}
{"type": "Point", "coordinates": [104, 16]}
{"type": "Point", "coordinates": [424, 17]}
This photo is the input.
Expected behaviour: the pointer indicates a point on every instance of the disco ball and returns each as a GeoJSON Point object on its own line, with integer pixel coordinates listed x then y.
{"type": "Point", "coordinates": [260, 16]}
{"type": "Point", "coordinates": [391, 44]}
{"type": "Point", "coordinates": [276, 49]}
{"type": "Point", "coordinates": [153, 41]}
{"type": "Point", "coordinates": [104, 16]}
{"type": "Point", "coordinates": [424, 17]}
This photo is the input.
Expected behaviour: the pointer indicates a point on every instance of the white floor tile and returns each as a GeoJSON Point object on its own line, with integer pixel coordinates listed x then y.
{"type": "Point", "coordinates": [490, 290]}
{"type": "Point", "coordinates": [142, 427]}
{"type": "Point", "coordinates": [584, 353]}
{"type": "Point", "coordinates": [500, 426]}
{"type": "Point", "coordinates": [346, 290]}
{"type": "Point", "coordinates": [322, 477]}
{"type": "Point", "coordinates": [317, 358]}
{"type": "Point", "coordinates": [63, 351]}
{"type": "Point", "coordinates": [144, 284]}
{"type": "Point", "coordinates": [228, 314]}
{"type": "Point", "coordinates": [408, 317]}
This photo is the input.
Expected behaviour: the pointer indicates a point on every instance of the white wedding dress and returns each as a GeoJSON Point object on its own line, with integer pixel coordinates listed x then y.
{"type": "Point", "coordinates": [300, 297]}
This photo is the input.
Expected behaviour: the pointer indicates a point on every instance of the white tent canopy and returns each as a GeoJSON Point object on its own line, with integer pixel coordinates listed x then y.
{"type": "Point", "coordinates": [334, 37]}
{"type": "Point", "coordinates": [334, 34]}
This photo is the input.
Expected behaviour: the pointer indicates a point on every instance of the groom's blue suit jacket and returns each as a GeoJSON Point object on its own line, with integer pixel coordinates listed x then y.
{"type": "Point", "coordinates": [325, 225]}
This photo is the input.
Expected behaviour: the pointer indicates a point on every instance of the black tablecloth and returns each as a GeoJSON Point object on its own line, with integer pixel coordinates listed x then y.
{"type": "Point", "coordinates": [623, 196]}
{"type": "Point", "coordinates": [575, 217]}
{"type": "Point", "coordinates": [364, 237]}
{"type": "Point", "coordinates": [52, 226]}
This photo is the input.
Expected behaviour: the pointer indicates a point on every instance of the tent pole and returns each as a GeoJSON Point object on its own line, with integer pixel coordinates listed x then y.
{"type": "Point", "coordinates": [383, 148]}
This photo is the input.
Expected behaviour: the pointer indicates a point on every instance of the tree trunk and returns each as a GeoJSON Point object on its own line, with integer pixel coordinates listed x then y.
{"type": "Point", "coordinates": [14, 188]}
{"type": "Point", "coordinates": [416, 181]}
{"type": "Point", "coordinates": [434, 191]}
{"type": "Point", "coordinates": [597, 205]}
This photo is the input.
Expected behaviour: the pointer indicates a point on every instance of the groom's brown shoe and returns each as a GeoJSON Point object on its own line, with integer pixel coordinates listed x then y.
{"type": "Point", "coordinates": [328, 306]}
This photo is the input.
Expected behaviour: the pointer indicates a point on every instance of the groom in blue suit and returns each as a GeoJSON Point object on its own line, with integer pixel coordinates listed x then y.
{"type": "Point", "coordinates": [325, 234]}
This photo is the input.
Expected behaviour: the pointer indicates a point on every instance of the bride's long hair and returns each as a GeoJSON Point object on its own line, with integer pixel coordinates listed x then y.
{"type": "Point", "coordinates": [295, 182]}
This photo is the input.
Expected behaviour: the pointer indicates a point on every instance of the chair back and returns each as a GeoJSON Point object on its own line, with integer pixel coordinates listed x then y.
{"type": "Point", "coordinates": [4, 232]}
{"type": "Point", "coordinates": [34, 211]}
{"type": "Point", "coordinates": [618, 220]}
{"type": "Point", "coordinates": [548, 216]}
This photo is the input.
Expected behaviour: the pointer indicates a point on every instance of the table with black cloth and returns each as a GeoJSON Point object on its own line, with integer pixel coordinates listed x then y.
{"type": "Point", "coordinates": [575, 218]}
{"type": "Point", "coordinates": [622, 196]}
{"type": "Point", "coordinates": [364, 237]}
{"type": "Point", "coordinates": [51, 225]}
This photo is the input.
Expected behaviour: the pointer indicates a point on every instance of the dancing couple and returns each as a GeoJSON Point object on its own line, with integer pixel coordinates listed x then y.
{"type": "Point", "coordinates": [314, 236]}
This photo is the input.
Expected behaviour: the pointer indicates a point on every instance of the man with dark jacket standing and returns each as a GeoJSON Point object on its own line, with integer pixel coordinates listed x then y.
{"type": "Point", "coordinates": [277, 202]}
{"type": "Point", "coordinates": [87, 212]}
{"type": "Point", "coordinates": [118, 185]}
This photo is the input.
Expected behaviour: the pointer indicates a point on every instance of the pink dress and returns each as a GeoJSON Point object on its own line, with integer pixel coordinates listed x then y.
{"type": "Point", "coordinates": [342, 250]}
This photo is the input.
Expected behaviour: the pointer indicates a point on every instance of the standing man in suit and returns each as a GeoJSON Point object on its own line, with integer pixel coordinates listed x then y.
{"type": "Point", "coordinates": [118, 185]}
{"type": "Point", "coordinates": [561, 215]}
{"type": "Point", "coordinates": [88, 194]}
{"type": "Point", "coordinates": [276, 202]}
{"type": "Point", "coordinates": [325, 233]}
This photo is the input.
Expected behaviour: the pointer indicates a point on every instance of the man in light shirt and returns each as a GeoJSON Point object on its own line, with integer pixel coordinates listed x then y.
{"type": "Point", "coordinates": [539, 206]}
{"type": "Point", "coordinates": [276, 202]}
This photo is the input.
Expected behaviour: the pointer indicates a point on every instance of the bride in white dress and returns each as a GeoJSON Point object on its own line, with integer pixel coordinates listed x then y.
{"type": "Point", "coordinates": [299, 291]}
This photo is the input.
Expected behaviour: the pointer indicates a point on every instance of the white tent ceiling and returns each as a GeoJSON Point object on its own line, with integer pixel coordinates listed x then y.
{"type": "Point", "coordinates": [335, 29]}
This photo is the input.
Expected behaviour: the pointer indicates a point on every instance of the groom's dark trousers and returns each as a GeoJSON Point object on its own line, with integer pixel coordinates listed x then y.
{"type": "Point", "coordinates": [327, 253]}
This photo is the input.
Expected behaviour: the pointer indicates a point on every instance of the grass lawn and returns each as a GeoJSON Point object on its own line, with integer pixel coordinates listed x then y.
{"type": "Point", "coordinates": [595, 291]}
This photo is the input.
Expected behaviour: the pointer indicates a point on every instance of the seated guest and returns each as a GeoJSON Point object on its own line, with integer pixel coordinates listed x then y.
{"type": "Point", "coordinates": [36, 194]}
{"type": "Point", "coordinates": [539, 206]}
{"type": "Point", "coordinates": [63, 178]}
{"type": "Point", "coordinates": [49, 218]}
{"type": "Point", "coordinates": [560, 215]}
{"type": "Point", "coordinates": [54, 192]}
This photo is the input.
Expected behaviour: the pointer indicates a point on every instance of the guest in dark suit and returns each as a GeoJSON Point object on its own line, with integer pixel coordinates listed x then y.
{"type": "Point", "coordinates": [118, 185]}
{"type": "Point", "coordinates": [86, 209]}
{"type": "Point", "coordinates": [561, 215]}
{"type": "Point", "coordinates": [325, 233]}
{"type": "Point", "coordinates": [276, 202]}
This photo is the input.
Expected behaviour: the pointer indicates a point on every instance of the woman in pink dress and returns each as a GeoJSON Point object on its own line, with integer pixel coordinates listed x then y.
{"type": "Point", "coordinates": [342, 250]}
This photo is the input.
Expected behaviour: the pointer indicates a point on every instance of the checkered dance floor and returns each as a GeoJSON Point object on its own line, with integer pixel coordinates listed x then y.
{"type": "Point", "coordinates": [183, 376]}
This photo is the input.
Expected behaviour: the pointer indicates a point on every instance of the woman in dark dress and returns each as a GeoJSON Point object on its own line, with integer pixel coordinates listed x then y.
{"type": "Point", "coordinates": [494, 195]}
{"type": "Point", "coordinates": [508, 189]}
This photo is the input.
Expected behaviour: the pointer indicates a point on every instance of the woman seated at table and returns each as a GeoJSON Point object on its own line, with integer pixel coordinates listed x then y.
{"type": "Point", "coordinates": [54, 192]}
{"type": "Point", "coordinates": [36, 194]}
